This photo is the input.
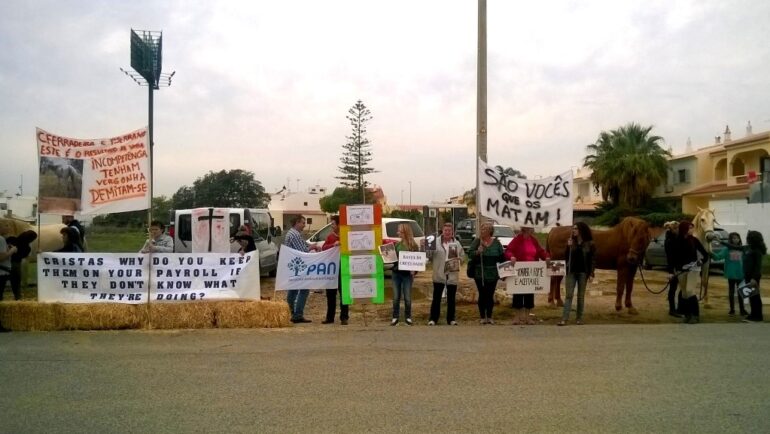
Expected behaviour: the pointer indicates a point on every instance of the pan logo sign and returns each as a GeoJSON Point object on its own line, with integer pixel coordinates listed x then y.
{"type": "Point", "coordinates": [298, 265]}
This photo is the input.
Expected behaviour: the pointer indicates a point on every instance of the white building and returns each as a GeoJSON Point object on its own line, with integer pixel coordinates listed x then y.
{"type": "Point", "coordinates": [285, 204]}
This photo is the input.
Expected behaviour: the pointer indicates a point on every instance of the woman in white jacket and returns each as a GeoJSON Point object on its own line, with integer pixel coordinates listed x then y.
{"type": "Point", "coordinates": [446, 273]}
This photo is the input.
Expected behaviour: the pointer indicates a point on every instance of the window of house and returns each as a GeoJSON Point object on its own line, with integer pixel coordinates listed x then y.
{"type": "Point", "coordinates": [305, 203]}
{"type": "Point", "coordinates": [681, 176]}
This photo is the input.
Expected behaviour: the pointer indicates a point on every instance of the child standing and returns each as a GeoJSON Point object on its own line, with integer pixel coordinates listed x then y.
{"type": "Point", "coordinates": [732, 254]}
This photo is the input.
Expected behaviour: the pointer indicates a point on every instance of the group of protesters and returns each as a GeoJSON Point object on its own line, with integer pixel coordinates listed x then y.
{"type": "Point", "coordinates": [743, 265]}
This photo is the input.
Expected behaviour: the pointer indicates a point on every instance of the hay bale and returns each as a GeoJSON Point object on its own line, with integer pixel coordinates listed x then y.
{"type": "Point", "coordinates": [28, 316]}
{"type": "Point", "coordinates": [100, 316]}
{"type": "Point", "coordinates": [252, 314]}
{"type": "Point", "coordinates": [196, 315]}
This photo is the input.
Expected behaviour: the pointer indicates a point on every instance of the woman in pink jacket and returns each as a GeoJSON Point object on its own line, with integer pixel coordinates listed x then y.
{"type": "Point", "coordinates": [524, 247]}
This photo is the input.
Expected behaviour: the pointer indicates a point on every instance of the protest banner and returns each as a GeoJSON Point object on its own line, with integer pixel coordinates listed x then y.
{"type": "Point", "coordinates": [204, 276]}
{"type": "Point", "coordinates": [528, 277]}
{"type": "Point", "coordinates": [93, 176]}
{"type": "Point", "coordinates": [300, 270]}
{"type": "Point", "coordinates": [130, 277]}
{"type": "Point", "coordinates": [538, 203]}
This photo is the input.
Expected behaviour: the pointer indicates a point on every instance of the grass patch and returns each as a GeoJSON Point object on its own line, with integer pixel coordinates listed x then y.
{"type": "Point", "coordinates": [115, 240]}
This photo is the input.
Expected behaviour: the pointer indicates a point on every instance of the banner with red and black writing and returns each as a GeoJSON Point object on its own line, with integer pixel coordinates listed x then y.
{"type": "Point", "coordinates": [93, 176]}
{"type": "Point", "coordinates": [134, 277]}
{"type": "Point", "coordinates": [537, 203]}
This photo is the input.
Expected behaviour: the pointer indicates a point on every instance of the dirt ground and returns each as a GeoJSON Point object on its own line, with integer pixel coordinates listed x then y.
{"type": "Point", "coordinates": [599, 308]}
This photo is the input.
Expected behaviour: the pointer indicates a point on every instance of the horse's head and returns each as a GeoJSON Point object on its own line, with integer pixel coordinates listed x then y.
{"type": "Point", "coordinates": [703, 223]}
{"type": "Point", "coordinates": [637, 233]}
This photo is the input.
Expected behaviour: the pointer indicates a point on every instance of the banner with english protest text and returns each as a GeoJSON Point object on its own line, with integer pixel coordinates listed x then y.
{"type": "Point", "coordinates": [539, 203]}
{"type": "Point", "coordinates": [133, 278]}
{"type": "Point", "coordinates": [93, 176]}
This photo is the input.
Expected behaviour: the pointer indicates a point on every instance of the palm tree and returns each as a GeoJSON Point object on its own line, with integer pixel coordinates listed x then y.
{"type": "Point", "coordinates": [628, 164]}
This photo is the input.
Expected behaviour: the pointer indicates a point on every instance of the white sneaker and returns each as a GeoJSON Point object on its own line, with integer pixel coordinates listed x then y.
{"type": "Point", "coordinates": [490, 321]}
{"type": "Point", "coordinates": [453, 323]}
{"type": "Point", "coordinates": [409, 321]}
{"type": "Point", "coordinates": [431, 322]}
{"type": "Point", "coordinates": [394, 321]}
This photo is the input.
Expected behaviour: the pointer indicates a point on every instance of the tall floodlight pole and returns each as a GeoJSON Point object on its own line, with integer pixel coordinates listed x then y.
{"type": "Point", "coordinates": [481, 105]}
{"type": "Point", "coordinates": [146, 61]}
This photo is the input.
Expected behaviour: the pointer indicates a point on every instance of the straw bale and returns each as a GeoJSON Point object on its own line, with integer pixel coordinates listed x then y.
{"type": "Point", "coordinates": [28, 316]}
{"type": "Point", "coordinates": [100, 316]}
{"type": "Point", "coordinates": [252, 314]}
{"type": "Point", "coordinates": [198, 315]}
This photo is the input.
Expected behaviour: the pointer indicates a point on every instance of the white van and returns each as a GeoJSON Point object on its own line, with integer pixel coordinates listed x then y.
{"type": "Point", "coordinates": [259, 220]}
{"type": "Point", "coordinates": [389, 233]}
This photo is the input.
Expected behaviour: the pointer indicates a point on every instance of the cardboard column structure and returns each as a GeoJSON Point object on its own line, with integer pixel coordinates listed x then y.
{"type": "Point", "coordinates": [360, 262]}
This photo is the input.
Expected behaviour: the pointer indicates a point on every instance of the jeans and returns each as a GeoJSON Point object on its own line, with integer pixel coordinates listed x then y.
{"type": "Point", "coordinates": [435, 305]}
{"type": "Point", "coordinates": [573, 279]}
{"type": "Point", "coordinates": [3, 279]}
{"type": "Point", "coordinates": [673, 284]}
{"type": "Point", "coordinates": [331, 304]}
{"type": "Point", "coordinates": [296, 299]}
{"type": "Point", "coordinates": [402, 287]}
{"type": "Point", "coordinates": [732, 284]}
{"type": "Point", "coordinates": [486, 297]}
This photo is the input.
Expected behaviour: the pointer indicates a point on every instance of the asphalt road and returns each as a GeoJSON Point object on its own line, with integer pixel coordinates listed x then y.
{"type": "Point", "coordinates": [593, 378]}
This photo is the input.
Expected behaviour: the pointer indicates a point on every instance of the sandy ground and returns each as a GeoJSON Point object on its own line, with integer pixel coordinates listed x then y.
{"type": "Point", "coordinates": [600, 303]}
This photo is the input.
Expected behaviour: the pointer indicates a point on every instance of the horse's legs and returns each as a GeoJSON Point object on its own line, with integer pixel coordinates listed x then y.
{"type": "Point", "coordinates": [629, 289]}
{"type": "Point", "coordinates": [555, 292]}
{"type": "Point", "coordinates": [704, 279]}
{"type": "Point", "coordinates": [619, 287]}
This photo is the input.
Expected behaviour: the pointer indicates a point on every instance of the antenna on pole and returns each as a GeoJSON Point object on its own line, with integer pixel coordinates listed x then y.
{"type": "Point", "coordinates": [147, 63]}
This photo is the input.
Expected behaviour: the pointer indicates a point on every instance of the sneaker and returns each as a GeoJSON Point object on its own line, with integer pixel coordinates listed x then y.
{"type": "Point", "coordinates": [490, 321]}
{"type": "Point", "coordinates": [409, 321]}
{"type": "Point", "coordinates": [453, 323]}
{"type": "Point", "coordinates": [483, 321]}
{"type": "Point", "coordinates": [394, 321]}
{"type": "Point", "coordinates": [327, 321]}
{"type": "Point", "coordinates": [431, 322]}
{"type": "Point", "coordinates": [674, 314]}
{"type": "Point", "coordinates": [344, 322]}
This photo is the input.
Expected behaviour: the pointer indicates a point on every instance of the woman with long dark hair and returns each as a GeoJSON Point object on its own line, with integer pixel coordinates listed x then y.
{"type": "Point", "coordinates": [752, 271]}
{"type": "Point", "coordinates": [580, 266]}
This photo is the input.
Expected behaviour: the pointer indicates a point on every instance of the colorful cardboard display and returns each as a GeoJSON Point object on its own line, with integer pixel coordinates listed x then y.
{"type": "Point", "coordinates": [361, 266]}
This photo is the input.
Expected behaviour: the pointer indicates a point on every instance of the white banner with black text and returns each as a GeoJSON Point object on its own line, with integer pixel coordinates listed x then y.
{"type": "Point", "coordinates": [538, 203]}
{"type": "Point", "coordinates": [130, 277]}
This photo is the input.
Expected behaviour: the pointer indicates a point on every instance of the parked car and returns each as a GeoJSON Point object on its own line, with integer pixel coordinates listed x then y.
{"type": "Point", "coordinates": [259, 220]}
{"type": "Point", "coordinates": [504, 233]}
{"type": "Point", "coordinates": [655, 256]}
{"type": "Point", "coordinates": [466, 233]}
{"type": "Point", "coordinates": [389, 233]}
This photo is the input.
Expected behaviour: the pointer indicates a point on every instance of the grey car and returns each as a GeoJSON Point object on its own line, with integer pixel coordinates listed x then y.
{"type": "Point", "coordinates": [655, 256]}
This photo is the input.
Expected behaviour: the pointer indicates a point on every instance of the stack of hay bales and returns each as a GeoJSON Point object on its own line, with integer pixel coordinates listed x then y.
{"type": "Point", "coordinates": [34, 316]}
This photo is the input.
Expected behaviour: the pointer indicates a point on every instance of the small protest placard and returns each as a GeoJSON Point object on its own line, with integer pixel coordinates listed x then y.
{"type": "Point", "coordinates": [557, 268]}
{"type": "Point", "coordinates": [505, 269]}
{"type": "Point", "coordinates": [411, 261]}
{"type": "Point", "coordinates": [452, 265]}
{"type": "Point", "coordinates": [388, 253]}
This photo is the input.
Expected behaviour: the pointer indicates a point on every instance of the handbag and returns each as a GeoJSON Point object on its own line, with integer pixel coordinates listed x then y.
{"type": "Point", "coordinates": [471, 270]}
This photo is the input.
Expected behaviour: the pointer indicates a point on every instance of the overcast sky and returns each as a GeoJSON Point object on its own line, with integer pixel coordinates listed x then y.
{"type": "Point", "coordinates": [265, 85]}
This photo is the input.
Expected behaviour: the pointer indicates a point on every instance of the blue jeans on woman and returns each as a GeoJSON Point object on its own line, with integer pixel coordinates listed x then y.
{"type": "Point", "coordinates": [402, 287]}
{"type": "Point", "coordinates": [572, 279]}
{"type": "Point", "coordinates": [296, 299]}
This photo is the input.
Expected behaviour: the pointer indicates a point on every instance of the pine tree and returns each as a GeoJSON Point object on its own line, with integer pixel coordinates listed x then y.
{"type": "Point", "coordinates": [356, 153]}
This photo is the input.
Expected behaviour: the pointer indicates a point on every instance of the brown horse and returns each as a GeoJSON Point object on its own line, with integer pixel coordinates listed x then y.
{"type": "Point", "coordinates": [620, 248]}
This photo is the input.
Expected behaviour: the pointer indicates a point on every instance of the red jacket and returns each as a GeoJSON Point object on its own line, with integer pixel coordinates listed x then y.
{"type": "Point", "coordinates": [516, 250]}
{"type": "Point", "coordinates": [330, 240]}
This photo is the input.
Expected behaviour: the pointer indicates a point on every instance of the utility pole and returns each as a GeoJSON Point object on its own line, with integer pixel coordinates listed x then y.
{"type": "Point", "coordinates": [481, 105]}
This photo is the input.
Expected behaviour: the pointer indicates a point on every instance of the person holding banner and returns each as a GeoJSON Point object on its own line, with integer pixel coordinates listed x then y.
{"type": "Point", "coordinates": [159, 242]}
{"type": "Point", "coordinates": [403, 279]}
{"type": "Point", "coordinates": [580, 266]}
{"type": "Point", "coordinates": [524, 247]}
{"type": "Point", "coordinates": [685, 249]}
{"type": "Point", "coordinates": [296, 298]}
{"type": "Point", "coordinates": [333, 240]}
{"type": "Point", "coordinates": [485, 253]}
{"type": "Point", "coordinates": [71, 239]}
{"type": "Point", "coordinates": [446, 273]}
